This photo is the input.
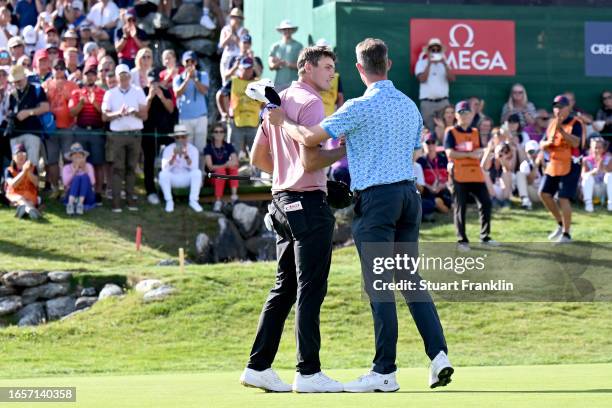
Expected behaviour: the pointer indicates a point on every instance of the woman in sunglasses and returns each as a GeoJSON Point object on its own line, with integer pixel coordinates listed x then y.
{"type": "Point", "coordinates": [518, 103]}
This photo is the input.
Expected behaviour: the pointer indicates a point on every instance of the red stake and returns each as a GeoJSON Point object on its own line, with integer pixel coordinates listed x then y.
{"type": "Point", "coordinates": [138, 237]}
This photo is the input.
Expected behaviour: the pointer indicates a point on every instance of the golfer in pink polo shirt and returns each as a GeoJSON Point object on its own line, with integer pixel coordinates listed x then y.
{"type": "Point", "coordinates": [304, 225]}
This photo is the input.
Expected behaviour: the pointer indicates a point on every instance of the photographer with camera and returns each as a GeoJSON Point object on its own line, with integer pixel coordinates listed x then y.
{"type": "Point", "coordinates": [26, 103]}
{"type": "Point", "coordinates": [180, 168]}
{"type": "Point", "coordinates": [434, 75]}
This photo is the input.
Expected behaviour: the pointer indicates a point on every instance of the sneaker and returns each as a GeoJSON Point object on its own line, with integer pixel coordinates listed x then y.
{"type": "Point", "coordinates": [206, 21]}
{"type": "Point", "coordinates": [123, 195]}
{"type": "Point", "coordinates": [153, 199]}
{"type": "Point", "coordinates": [117, 210]}
{"type": "Point", "coordinates": [490, 242]}
{"type": "Point", "coordinates": [463, 246]}
{"type": "Point", "coordinates": [169, 206]}
{"type": "Point", "coordinates": [79, 209]}
{"type": "Point", "coordinates": [440, 371]}
{"type": "Point", "coordinates": [70, 208]}
{"type": "Point", "coordinates": [195, 206]}
{"type": "Point", "coordinates": [33, 213]}
{"type": "Point", "coordinates": [373, 381]}
{"type": "Point", "coordinates": [526, 203]}
{"type": "Point", "coordinates": [318, 382]}
{"type": "Point", "coordinates": [565, 238]}
{"type": "Point", "coordinates": [234, 198]}
{"type": "Point", "coordinates": [20, 212]}
{"type": "Point", "coordinates": [218, 206]}
{"type": "Point", "coordinates": [132, 207]}
{"type": "Point", "coordinates": [267, 380]}
{"type": "Point", "coordinates": [553, 236]}
{"type": "Point", "coordinates": [588, 206]}
{"type": "Point", "coordinates": [109, 194]}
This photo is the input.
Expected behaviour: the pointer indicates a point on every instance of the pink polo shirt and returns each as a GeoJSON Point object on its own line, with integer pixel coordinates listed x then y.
{"type": "Point", "coordinates": [302, 104]}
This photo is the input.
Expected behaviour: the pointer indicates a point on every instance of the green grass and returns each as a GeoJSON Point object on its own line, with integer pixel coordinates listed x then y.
{"type": "Point", "coordinates": [565, 386]}
{"type": "Point", "coordinates": [210, 323]}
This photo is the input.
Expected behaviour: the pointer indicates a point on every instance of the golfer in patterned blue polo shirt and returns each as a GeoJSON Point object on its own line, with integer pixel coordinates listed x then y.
{"type": "Point", "coordinates": [382, 130]}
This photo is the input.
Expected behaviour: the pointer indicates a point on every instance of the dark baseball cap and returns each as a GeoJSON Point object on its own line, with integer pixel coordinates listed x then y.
{"type": "Point", "coordinates": [463, 106]}
{"type": "Point", "coordinates": [561, 101]}
{"type": "Point", "coordinates": [19, 148]}
{"type": "Point", "coordinates": [246, 38]}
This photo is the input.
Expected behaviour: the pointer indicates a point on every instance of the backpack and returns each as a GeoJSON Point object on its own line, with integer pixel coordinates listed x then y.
{"type": "Point", "coordinates": [47, 120]}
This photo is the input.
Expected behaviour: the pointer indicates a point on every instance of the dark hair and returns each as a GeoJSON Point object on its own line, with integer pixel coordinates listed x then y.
{"type": "Point", "coordinates": [372, 55]}
{"type": "Point", "coordinates": [219, 125]}
{"type": "Point", "coordinates": [313, 55]}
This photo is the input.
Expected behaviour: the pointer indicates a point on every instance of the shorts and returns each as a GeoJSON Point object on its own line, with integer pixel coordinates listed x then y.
{"type": "Point", "coordinates": [94, 141]}
{"type": "Point", "coordinates": [242, 136]}
{"type": "Point", "coordinates": [57, 145]}
{"type": "Point", "coordinates": [566, 185]}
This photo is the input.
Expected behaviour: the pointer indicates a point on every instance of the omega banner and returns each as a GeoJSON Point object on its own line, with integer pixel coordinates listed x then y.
{"type": "Point", "coordinates": [471, 47]}
{"type": "Point", "coordinates": [598, 48]}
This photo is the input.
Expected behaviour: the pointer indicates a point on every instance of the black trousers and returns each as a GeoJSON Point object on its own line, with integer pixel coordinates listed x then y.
{"type": "Point", "coordinates": [304, 249]}
{"type": "Point", "coordinates": [150, 150]}
{"type": "Point", "coordinates": [460, 197]}
{"type": "Point", "coordinates": [387, 216]}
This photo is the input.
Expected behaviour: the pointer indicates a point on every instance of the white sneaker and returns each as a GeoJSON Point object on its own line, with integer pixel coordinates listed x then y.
{"type": "Point", "coordinates": [563, 239]}
{"type": "Point", "coordinates": [218, 205]}
{"type": "Point", "coordinates": [318, 382]}
{"type": "Point", "coordinates": [440, 371]}
{"type": "Point", "coordinates": [373, 381]}
{"type": "Point", "coordinates": [195, 206]}
{"type": "Point", "coordinates": [70, 209]}
{"type": "Point", "coordinates": [526, 203]}
{"type": "Point", "coordinates": [169, 206]}
{"type": "Point", "coordinates": [553, 236]}
{"type": "Point", "coordinates": [588, 206]}
{"type": "Point", "coordinates": [234, 198]}
{"type": "Point", "coordinates": [490, 242]}
{"type": "Point", "coordinates": [463, 246]}
{"type": "Point", "coordinates": [267, 380]}
{"type": "Point", "coordinates": [153, 199]}
{"type": "Point", "coordinates": [206, 21]}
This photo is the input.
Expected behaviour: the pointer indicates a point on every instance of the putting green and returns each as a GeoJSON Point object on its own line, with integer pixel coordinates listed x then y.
{"type": "Point", "coordinates": [581, 385]}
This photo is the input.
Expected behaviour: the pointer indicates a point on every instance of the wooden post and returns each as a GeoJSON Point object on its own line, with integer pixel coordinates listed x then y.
{"type": "Point", "coordinates": [182, 260]}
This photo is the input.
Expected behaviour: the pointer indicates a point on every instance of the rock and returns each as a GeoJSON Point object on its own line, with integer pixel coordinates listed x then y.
{"type": "Point", "coordinates": [204, 249]}
{"type": "Point", "coordinates": [24, 278]}
{"type": "Point", "coordinates": [110, 289]}
{"type": "Point", "coordinates": [148, 284]}
{"type": "Point", "coordinates": [76, 312]}
{"type": "Point", "coordinates": [160, 21]}
{"type": "Point", "coordinates": [90, 291]}
{"type": "Point", "coordinates": [188, 14]}
{"type": "Point", "coordinates": [189, 31]}
{"type": "Point", "coordinates": [9, 304]}
{"type": "Point", "coordinates": [60, 307]}
{"type": "Point", "coordinates": [202, 46]}
{"type": "Point", "coordinates": [159, 294]}
{"type": "Point", "coordinates": [7, 290]}
{"type": "Point", "coordinates": [85, 302]}
{"type": "Point", "coordinates": [32, 314]}
{"type": "Point", "coordinates": [168, 262]}
{"type": "Point", "coordinates": [247, 219]}
{"type": "Point", "coordinates": [46, 291]}
{"type": "Point", "coordinates": [60, 276]}
{"type": "Point", "coordinates": [229, 245]}
{"type": "Point", "coordinates": [263, 247]}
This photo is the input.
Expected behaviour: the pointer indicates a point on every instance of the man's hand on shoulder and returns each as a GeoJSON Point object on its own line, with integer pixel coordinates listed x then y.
{"type": "Point", "coordinates": [276, 117]}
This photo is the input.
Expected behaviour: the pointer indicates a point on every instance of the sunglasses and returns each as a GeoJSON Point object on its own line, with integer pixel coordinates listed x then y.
{"type": "Point", "coordinates": [4, 54]}
{"type": "Point", "coordinates": [435, 49]}
{"type": "Point", "coordinates": [430, 142]}
{"type": "Point", "coordinates": [517, 92]}
{"type": "Point", "coordinates": [544, 118]}
{"type": "Point", "coordinates": [604, 97]}
{"type": "Point", "coordinates": [532, 151]}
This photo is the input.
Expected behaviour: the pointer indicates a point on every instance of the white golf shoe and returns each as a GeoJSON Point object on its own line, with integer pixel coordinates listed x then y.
{"type": "Point", "coordinates": [267, 380]}
{"type": "Point", "coordinates": [553, 236]}
{"type": "Point", "coordinates": [373, 382]}
{"type": "Point", "coordinates": [440, 371]}
{"type": "Point", "coordinates": [318, 382]}
{"type": "Point", "coordinates": [169, 206]}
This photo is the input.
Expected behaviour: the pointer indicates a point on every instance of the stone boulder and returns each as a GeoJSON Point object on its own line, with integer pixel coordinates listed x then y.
{"type": "Point", "coordinates": [85, 302]}
{"type": "Point", "coordinates": [202, 46]}
{"type": "Point", "coordinates": [24, 278]}
{"type": "Point", "coordinates": [89, 291]}
{"type": "Point", "coordinates": [7, 290]}
{"type": "Point", "coordinates": [158, 294]}
{"type": "Point", "coordinates": [247, 218]}
{"type": "Point", "coordinates": [147, 284]}
{"type": "Point", "coordinates": [188, 14]}
{"type": "Point", "coordinates": [262, 247]}
{"type": "Point", "coordinates": [204, 249]}
{"type": "Point", "coordinates": [32, 314]}
{"type": "Point", "coordinates": [60, 307]}
{"type": "Point", "coordinates": [59, 276]}
{"type": "Point", "coordinates": [9, 304]}
{"type": "Point", "coordinates": [229, 245]}
{"type": "Point", "coordinates": [189, 31]}
{"type": "Point", "coordinates": [110, 289]}
{"type": "Point", "coordinates": [47, 291]}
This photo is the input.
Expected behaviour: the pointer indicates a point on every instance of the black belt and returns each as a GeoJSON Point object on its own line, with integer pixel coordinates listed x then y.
{"type": "Point", "coordinates": [434, 100]}
{"type": "Point", "coordinates": [298, 194]}
{"type": "Point", "coordinates": [126, 133]}
{"type": "Point", "coordinates": [408, 182]}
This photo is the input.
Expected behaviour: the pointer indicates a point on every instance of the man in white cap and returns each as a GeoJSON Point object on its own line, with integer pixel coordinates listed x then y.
{"type": "Point", "coordinates": [16, 48]}
{"type": "Point", "coordinates": [125, 107]}
{"type": "Point", "coordinates": [284, 55]}
{"type": "Point", "coordinates": [433, 74]}
{"type": "Point", "coordinates": [530, 174]}
{"type": "Point", "coordinates": [180, 168]}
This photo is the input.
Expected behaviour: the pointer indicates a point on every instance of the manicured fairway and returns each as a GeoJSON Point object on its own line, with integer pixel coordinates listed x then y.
{"type": "Point", "coordinates": [580, 385]}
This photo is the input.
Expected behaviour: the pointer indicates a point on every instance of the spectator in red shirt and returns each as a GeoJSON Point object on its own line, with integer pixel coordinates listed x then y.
{"type": "Point", "coordinates": [86, 106]}
{"type": "Point", "coordinates": [129, 39]}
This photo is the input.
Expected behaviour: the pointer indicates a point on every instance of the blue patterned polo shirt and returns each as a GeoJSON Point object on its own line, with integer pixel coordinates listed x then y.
{"type": "Point", "coordinates": [382, 130]}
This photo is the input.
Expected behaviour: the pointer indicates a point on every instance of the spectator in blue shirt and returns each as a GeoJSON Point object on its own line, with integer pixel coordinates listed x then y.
{"type": "Point", "coordinates": [27, 12]}
{"type": "Point", "coordinates": [191, 90]}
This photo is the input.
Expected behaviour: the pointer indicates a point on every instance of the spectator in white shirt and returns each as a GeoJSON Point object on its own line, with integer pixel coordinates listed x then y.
{"type": "Point", "coordinates": [103, 18]}
{"type": "Point", "coordinates": [530, 174]}
{"type": "Point", "coordinates": [180, 168]}
{"type": "Point", "coordinates": [7, 30]}
{"type": "Point", "coordinates": [433, 74]}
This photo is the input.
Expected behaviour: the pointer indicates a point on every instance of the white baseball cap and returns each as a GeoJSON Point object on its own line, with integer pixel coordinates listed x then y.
{"type": "Point", "coordinates": [122, 69]}
{"type": "Point", "coordinates": [77, 4]}
{"type": "Point", "coordinates": [532, 145]}
{"type": "Point", "coordinates": [29, 35]}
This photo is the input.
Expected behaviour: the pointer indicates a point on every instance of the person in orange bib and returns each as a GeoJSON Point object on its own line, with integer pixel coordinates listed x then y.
{"type": "Point", "coordinates": [563, 170]}
{"type": "Point", "coordinates": [462, 144]}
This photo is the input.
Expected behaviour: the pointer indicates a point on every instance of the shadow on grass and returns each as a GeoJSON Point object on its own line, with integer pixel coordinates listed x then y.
{"type": "Point", "coordinates": [595, 391]}
{"type": "Point", "coordinates": [13, 249]}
